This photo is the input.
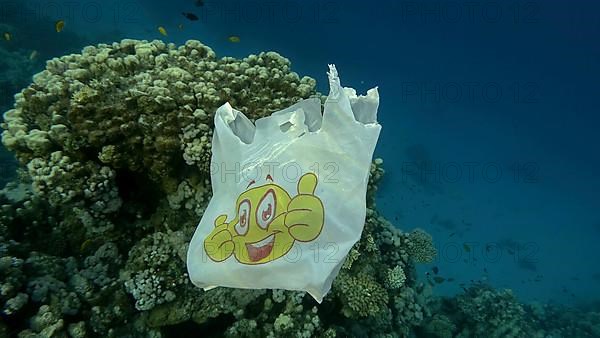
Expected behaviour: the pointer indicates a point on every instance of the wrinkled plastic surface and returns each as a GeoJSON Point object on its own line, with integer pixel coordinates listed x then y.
{"type": "Point", "coordinates": [289, 194]}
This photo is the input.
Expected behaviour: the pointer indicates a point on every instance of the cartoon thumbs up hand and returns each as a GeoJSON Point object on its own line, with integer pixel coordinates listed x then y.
{"type": "Point", "coordinates": [219, 243]}
{"type": "Point", "coordinates": [305, 215]}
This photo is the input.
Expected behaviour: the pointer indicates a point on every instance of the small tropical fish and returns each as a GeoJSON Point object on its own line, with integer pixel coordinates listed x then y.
{"type": "Point", "coordinates": [199, 3]}
{"type": "Point", "coordinates": [452, 234]}
{"type": "Point", "coordinates": [85, 245]}
{"type": "Point", "coordinates": [466, 247]}
{"type": "Point", "coordinates": [7, 36]}
{"type": "Point", "coordinates": [59, 25]}
{"type": "Point", "coordinates": [162, 30]}
{"type": "Point", "coordinates": [190, 16]}
{"type": "Point", "coordinates": [180, 26]}
{"type": "Point", "coordinates": [450, 279]}
{"type": "Point", "coordinates": [233, 38]}
{"type": "Point", "coordinates": [439, 279]}
{"type": "Point", "coordinates": [33, 55]}
{"type": "Point", "coordinates": [435, 270]}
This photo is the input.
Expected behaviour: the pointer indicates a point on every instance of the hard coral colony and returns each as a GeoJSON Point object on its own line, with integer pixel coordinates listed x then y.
{"type": "Point", "coordinates": [115, 145]}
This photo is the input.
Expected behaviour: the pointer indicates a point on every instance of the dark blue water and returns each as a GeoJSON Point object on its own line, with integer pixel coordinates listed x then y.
{"type": "Point", "coordinates": [489, 114]}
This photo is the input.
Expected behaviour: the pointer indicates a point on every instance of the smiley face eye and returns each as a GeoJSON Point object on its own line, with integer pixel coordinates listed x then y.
{"type": "Point", "coordinates": [266, 209]}
{"type": "Point", "coordinates": [241, 226]}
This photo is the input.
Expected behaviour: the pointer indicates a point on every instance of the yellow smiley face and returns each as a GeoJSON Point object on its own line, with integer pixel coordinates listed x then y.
{"type": "Point", "coordinates": [267, 222]}
{"type": "Point", "coordinates": [259, 231]}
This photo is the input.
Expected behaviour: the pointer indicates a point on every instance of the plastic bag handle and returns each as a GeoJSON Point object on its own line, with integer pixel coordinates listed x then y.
{"type": "Point", "coordinates": [343, 109]}
{"type": "Point", "coordinates": [234, 125]}
{"type": "Point", "coordinates": [337, 111]}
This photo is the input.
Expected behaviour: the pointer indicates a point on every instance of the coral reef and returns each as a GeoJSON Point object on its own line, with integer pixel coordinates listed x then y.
{"type": "Point", "coordinates": [142, 106]}
{"type": "Point", "coordinates": [490, 312]}
{"type": "Point", "coordinates": [420, 246]}
{"type": "Point", "coordinates": [154, 272]}
{"type": "Point", "coordinates": [360, 295]}
{"type": "Point", "coordinates": [21, 56]}
{"type": "Point", "coordinates": [114, 150]}
{"type": "Point", "coordinates": [439, 326]}
{"type": "Point", "coordinates": [114, 147]}
{"type": "Point", "coordinates": [16, 70]}
{"type": "Point", "coordinates": [483, 311]}
{"type": "Point", "coordinates": [561, 321]}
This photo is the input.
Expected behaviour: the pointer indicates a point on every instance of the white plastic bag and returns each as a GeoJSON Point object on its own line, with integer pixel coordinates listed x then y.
{"type": "Point", "coordinates": [288, 194]}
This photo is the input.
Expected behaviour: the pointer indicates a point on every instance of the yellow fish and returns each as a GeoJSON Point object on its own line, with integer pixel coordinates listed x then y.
{"type": "Point", "coordinates": [59, 25]}
{"type": "Point", "coordinates": [233, 38]}
{"type": "Point", "coordinates": [7, 36]}
{"type": "Point", "coordinates": [85, 245]}
{"type": "Point", "coordinates": [34, 54]}
{"type": "Point", "coordinates": [162, 30]}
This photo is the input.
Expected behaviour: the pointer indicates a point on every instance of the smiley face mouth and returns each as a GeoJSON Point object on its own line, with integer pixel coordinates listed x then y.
{"type": "Point", "coordinates": [261, 249]}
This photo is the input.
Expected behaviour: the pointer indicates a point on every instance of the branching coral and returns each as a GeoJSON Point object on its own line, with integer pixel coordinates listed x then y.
{"type": "Point", "coordinates": [440, 326]}
{"type": "Point", "coordinates": [395, 277]}
{"type": "Point", "coordinates": [138, 104]}
{"type": "Point", "coordinates": [493, 313]}
{"type": "Point", "coordinates": [154, 272]}
{"type": "Point", "coordinates": [420, 246]}
{"type": "Point", "coordinates": [361, 295]}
